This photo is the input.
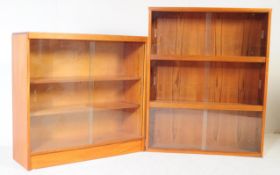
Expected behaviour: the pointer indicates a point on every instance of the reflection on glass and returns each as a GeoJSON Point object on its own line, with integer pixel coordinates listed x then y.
{"type": "Point", "coordinates": [84, 93]}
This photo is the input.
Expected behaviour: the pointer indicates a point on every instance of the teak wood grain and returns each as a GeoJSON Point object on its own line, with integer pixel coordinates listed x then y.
{"type": "Point", "coordinates": [209, 58]}
{"type": "Point", "coordinates": [207, 71]}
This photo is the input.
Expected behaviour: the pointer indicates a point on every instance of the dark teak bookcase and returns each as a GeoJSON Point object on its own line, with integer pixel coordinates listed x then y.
{"type": "Point", "coordinates": [207, 80]}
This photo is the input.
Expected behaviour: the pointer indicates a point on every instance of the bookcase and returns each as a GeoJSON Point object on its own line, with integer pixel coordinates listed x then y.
{"type": "Point", "coordinates": [208, 70]}
{"type": "Point", "coordinates": [197, 84]}
{"type": "Point", "coordinates": [76, 97]}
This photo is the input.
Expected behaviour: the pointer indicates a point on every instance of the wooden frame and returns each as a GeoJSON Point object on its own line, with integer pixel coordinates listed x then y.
{"type": "Point", "coordinates": [39, 77]}
{"type": "Point", "coordinates": [174, 18]}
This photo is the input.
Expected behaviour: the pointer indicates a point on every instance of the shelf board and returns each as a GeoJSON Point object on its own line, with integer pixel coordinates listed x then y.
{"type": "Point", "coordinates": [198, 151]}
{"type": "Point", "coordinates": [82, 79]}
{"type": "Point", "coordinates": [202, 105]}
{"type": "Point", "coordinates": [118, 105]}
{"type": "Point", "coordinates": [248, 59]}
{"type": "Point", "coordinates": [59, 110]}
{"type": "Point", "coordinates": [229, 149]}
{"type": "Point", "coordinates": [189, 147]}
{"type": "Point", "coordinates": [83, 108]}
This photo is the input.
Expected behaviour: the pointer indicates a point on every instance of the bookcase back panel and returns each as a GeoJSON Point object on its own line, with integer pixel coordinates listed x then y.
{"type": "Point", "coordinates": [242, 34]}
{"type": "Point", "coordinates": [216, 82]}
{"type": "Point", "coordinates": [205, 130]}
{"type": "Point", "coordinates": [209, 33]}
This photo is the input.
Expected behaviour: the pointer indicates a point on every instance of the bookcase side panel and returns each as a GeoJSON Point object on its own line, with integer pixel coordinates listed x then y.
{"type": "Point", "coordinates": [20, 99]}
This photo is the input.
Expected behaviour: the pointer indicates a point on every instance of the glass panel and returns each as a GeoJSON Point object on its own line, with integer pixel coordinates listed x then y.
{"type": "Point", "coordinates": [234, 131]}
{"type": "Point", "coordinates": [115, 126]}
{"type": "Point", "coordinates": [227, 131]}
{"type": "Point", "coordinates": [176, 128]}
{"type": "Point", "coordinates": [84, 93]}
{"type": "Point", "coordinates": [60, 94]}
{"type": "Point", "coordinates": [59, 131]}
{"type": "Point", "coordinates": [117, 91]}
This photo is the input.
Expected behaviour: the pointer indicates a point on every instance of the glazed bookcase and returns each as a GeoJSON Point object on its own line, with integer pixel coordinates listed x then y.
{"type": "Point", "coordinates": [197, 84]}
{"type": "Point", "coordinates": [208, 70]}
{"type": "Point", "coordinates": [76, 97]}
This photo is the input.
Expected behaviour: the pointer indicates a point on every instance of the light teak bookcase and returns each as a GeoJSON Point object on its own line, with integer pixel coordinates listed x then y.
{"type": "Point", "coordinates": [202, 88]}
{"type": "Point", "coordinates": [208, 71]}
{"type": "Point", "coordinates": [76, 97]}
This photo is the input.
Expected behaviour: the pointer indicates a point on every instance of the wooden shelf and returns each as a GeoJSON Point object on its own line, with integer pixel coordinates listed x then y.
{"type": "Point", "coordinates": [182, 147]}
{"type": "Point", "coordinates": [59, 110]}
{"type": "Point", "coordinates": [224, 148]}
{"type": "Point", "coordinates": [83, 108]}
{"type": "Point", "coordinates": [112, 106]}
{"type": "Point", "coordinates": [210, 152]}
{"type": "Point", "coordinates": [82, 79]}
{"type": "Point", "coordinates": [248, 59]}
{"type": "Point", "coordinates": [210, 106]}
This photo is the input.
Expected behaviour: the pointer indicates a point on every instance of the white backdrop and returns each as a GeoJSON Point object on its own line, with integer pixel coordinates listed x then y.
{"type": "Point", "coordinates": [125, 17]}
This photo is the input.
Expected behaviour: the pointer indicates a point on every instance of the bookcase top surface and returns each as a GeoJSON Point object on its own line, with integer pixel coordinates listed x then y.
{"type": "Point", "coordinates": [72, 36]}
{"type": "Point", "coordinates": [210, 9]}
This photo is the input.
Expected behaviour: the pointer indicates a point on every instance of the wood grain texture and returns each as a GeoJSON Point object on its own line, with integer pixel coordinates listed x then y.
{"type": "Point", "coordinates": [209, 58]}
{"type": "Point", "coordinates": [21, 120]}
{"type": "Point", "coordinates": [178, 129]}
{"type": "Point", "coordinates": [207, 82]}
{"type": "Point", "coordinates": [209, 34]}
{"type": "Point", "coordinates": [214, 60]}
{"type": "Point", "coordinates": [246, 37]}
{"type": "Point", "coordinates": [58, 158]}
{"type": "Point", "coordinates": [233, 131]}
